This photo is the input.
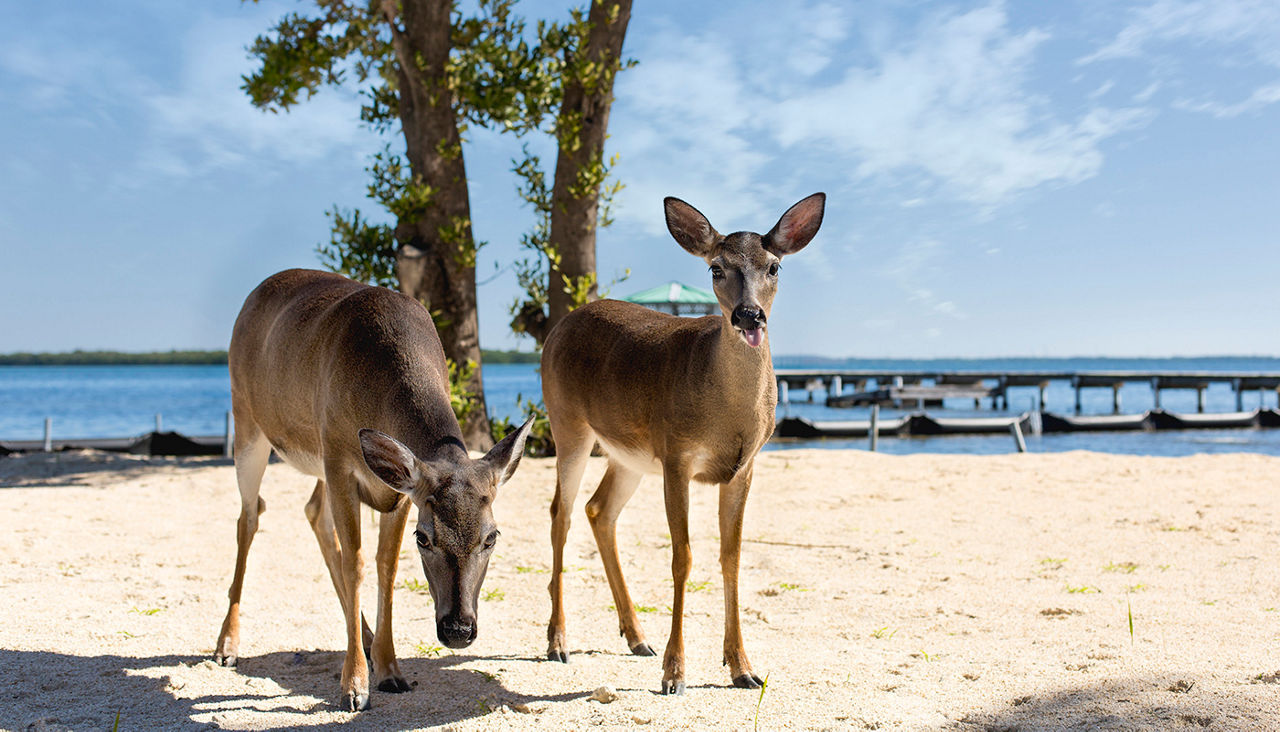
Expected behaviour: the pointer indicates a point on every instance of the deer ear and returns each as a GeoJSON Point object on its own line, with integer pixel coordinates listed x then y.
{"type": "Point", "coordinates": [390, 460]}
{"type": "Point", "coordinates": [505, 456]}
{"type": "Point", "coordinates": [797, 227]}
{"type": "Point", "coordinates": [689, 227]}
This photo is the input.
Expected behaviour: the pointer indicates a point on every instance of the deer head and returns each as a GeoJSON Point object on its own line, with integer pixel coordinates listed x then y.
{"type": "Point", "coordinates": [744, 266]}
{"type": "Point", "coordinates": [455, 532]}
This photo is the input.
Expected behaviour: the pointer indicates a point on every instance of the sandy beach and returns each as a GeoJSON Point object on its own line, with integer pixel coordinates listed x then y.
{"type": "Point", "coordinates": [1037, 591]}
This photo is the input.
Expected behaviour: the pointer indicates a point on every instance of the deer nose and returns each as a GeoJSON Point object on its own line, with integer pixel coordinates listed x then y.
{"type": "Point", "coordinates": [747, 317]}
{"type": "Point", "coordinates": [456, 632]}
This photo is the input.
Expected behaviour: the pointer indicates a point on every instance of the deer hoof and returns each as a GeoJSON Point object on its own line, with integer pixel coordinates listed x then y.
{"type": "Point", "coordinates": [556, 655]}
{"type": "Point", "coordinates": [394, 685]}
{"type": "Point", "coordinates": [673, 687]}
{"type": "Point", "coordinates": [225, 659]}
{"type": "Point", "coordinates": [357, 702]}
{"type": "Point", "coordinates": [642, 649]}
{"type": "Point", "coordinates": [748, 681]}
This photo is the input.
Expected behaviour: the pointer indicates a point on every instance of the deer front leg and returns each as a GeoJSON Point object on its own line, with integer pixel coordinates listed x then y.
{"type": "Point", "coordinates": [733, 501]}
{"type": "Point", "coordinates": [344, 506]}
{"type": "Point", "coordinates": [675, 489]}
{"type": "Point", "coordinates": [386, 670]}
{"type": "Point", "coordinates": [617, 487]}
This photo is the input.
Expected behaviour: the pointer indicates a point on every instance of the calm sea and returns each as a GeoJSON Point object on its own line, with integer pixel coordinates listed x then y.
{"type": "Point", "coordinates": [119, 401]}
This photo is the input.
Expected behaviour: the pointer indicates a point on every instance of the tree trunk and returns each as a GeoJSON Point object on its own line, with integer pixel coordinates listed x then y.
{"type": "Point", "coordinates": [435, 259]}
{"type": "Point", "coordinates": [574, 206]}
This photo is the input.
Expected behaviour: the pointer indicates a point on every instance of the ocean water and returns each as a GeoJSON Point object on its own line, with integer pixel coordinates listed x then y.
{"type": "Point", "coordinates": [120, 401]}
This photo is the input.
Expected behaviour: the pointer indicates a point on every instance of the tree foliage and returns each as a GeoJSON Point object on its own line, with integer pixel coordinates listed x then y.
{"type": "Point", "coordinates": [559, 274]}
{"type": "Point", "coordinates": [427, 71]}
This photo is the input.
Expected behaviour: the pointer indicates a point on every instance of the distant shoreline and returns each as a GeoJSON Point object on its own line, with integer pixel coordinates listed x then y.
{"type": "Point", "coordinates": [182, 358]}
{"type": "Point", "coordinates": [219, 357]}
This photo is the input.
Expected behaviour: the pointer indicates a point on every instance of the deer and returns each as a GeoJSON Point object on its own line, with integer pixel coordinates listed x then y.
{"type": "Point", "coordinates": [348, 383]}
{"type": "Point", "coordinates": [686, 398]}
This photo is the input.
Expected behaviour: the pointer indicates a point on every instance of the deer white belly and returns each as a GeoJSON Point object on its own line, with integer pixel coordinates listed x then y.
{"type": "Point", "coordinates": [635, 459]}
{"type": "Point", "coordinates": [303, 462]}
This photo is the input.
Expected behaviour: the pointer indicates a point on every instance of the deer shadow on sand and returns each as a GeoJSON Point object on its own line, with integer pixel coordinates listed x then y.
{"type": "Point", "coordinates": [281, 690]}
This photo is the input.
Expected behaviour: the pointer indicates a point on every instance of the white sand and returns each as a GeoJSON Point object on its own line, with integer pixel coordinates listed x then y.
{"type": "Point", "coordinates": [879, 592]}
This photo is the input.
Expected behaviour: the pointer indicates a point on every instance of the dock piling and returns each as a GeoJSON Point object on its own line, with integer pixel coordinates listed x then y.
{"type": "Point", "coordinates": [159, 423]}
{"type": "Point", "coordinates": [48, 434]}
{"type": "Point", "coordinates": [873, 430]}
{"type": "Point", "coordinates": [1018, 440]}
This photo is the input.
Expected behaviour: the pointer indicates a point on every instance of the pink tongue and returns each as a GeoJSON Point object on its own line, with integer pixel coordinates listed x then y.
{"type": "Point", "coordinates": [754, 337]}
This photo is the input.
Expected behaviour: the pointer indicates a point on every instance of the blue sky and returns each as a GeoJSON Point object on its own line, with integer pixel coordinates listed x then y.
{"type": "Point", "coordinates": [1003, 178]}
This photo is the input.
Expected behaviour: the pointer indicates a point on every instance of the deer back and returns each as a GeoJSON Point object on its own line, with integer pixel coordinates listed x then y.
{"type": "Point", "coordinates": [316, 357]}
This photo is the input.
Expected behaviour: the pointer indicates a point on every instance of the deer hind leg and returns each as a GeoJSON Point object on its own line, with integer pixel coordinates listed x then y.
{"type": "Point", "coordinates": [675, 489]}
{"type": "Point", "coordinates": [251, 454]}
{"type": "Point", "coordinates": [733, 501]}
{"type": "Point", "coordinates": [341, 495]}
{"type": "Point", "coordinates": [573, 447]}
{"type": "Point", "coordinates": [617, 487]}
{"type": "Point", "coordinates": [386, 670]}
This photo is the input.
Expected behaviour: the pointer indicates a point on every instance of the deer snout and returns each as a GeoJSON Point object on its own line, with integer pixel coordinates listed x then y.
{"type": "Point", "coordinates": [747, 317]}
{"type": "Point", "coordinates": [457, 632]}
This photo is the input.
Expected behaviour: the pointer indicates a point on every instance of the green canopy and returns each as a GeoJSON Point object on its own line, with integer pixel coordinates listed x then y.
{"type": "Point", "coordinates": [677, 299]}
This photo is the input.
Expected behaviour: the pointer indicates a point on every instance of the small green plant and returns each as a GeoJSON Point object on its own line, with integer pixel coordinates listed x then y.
{"type": "Point", "coordinates": [1052, 562]}
{"type": "Point", "coordinates": [646, 609]}
{"type": "Point", "coordinates": [692, 586]}
{"type": "Point", "coordinates": [929, 658]}
{"type": "Point", "coordinates": [126, 634]}
{"type": "Point", "coordinates": [1129, 607]}
{"type": "Point", "coordinates": [1126, 567]}
{"type": "Point", "coordinates": [429, 650]}
{"type": "Point", "coordinates": [1135, 588]}
{"type": "Point", "coordinates": [884, 632]}
{"type": "Point", "coordinates": [115, 726]}
{"type": "Point", "coordinates": [493, 595]}
{"type": "Point", "coordinates": [763, 685]}
{"type": "Point", "coordinates": [1082, 590]}
{"type": "Point", "coordinates": [529, 570]}
{"type": "Point", "coordinates": [414, 585]}
{"type": "Point", "coordinates": [487, 676]}
{"type": "Point", "coordinates": [148, 611]}
{"type": "Point", "coordinates": [794, 587]}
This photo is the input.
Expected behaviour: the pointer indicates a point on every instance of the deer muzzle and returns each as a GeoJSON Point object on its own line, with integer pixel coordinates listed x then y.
{"type": "Point", "coordinates": [750, 322]}
{"type": "Point", "coordinates": [456, 632]}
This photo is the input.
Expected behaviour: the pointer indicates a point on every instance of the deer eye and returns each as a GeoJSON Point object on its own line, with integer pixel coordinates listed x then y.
{"type": "Point", "coordinates": [716, 272]}
{"type": "Point", "coordinates": [491, 539]}
{"type": "Point", "coordinates": [773, 269]}
{"type": "Point", "coordinates": [424, 541]}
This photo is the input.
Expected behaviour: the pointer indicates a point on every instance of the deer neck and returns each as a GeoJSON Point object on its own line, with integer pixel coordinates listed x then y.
{"type": "Point", "coordinates": [739, 365]}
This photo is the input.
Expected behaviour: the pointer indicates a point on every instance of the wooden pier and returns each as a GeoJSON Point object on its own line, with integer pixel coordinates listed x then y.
{"type": "Point", "coordinates": [928, 388]}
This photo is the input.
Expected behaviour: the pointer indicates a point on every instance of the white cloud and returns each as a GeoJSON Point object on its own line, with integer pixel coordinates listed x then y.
{"type": "Point", "coordinates": [953, 103]}
{"type": "Point", "coordinates": [1261, 97]}
{"type": "Point", "coordinates": [1242, 23]}
{"type": "Point", "coordinates": [1233, 36]}
{"type": "Point", "coordinates": [207, 123]}
{"type": "Point", "coordinates": [941, 109]}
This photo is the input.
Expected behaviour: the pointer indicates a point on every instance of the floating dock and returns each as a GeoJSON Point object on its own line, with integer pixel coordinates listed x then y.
{"type": "Point", "coordinates": [923, 423]}
{"type": "Point", "coordinates": [910, 388]}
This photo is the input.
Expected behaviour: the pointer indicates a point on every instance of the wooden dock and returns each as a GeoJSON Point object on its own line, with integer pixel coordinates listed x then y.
{"type": "Point", "coordinates": [925, 424]}
{"type": "Point", "coordinates": [909, 388]}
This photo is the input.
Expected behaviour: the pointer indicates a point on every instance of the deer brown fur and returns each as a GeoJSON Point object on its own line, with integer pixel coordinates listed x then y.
{"type": "Point", "coordinates": [690, 399]}
{"type": "Point", "coordinates": [348, 383]}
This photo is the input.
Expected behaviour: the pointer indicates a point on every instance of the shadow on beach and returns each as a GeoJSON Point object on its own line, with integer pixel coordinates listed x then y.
{"type": "Point", "coordinates": [55, 690]}
{"type": "Point", "coordinates": [67, 468]}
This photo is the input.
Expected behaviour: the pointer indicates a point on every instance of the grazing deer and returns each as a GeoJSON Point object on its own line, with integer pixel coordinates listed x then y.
{"type": "Point", "coordinates": [324, 370]}
{"type": "Point", "coordinates": [687, 398]}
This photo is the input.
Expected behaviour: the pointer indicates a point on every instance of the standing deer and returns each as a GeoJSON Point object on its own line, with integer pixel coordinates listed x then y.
{"type": "Point", "coordinates": [324, 370]}
{"type": "Point", "coordinates": [687, 398]}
